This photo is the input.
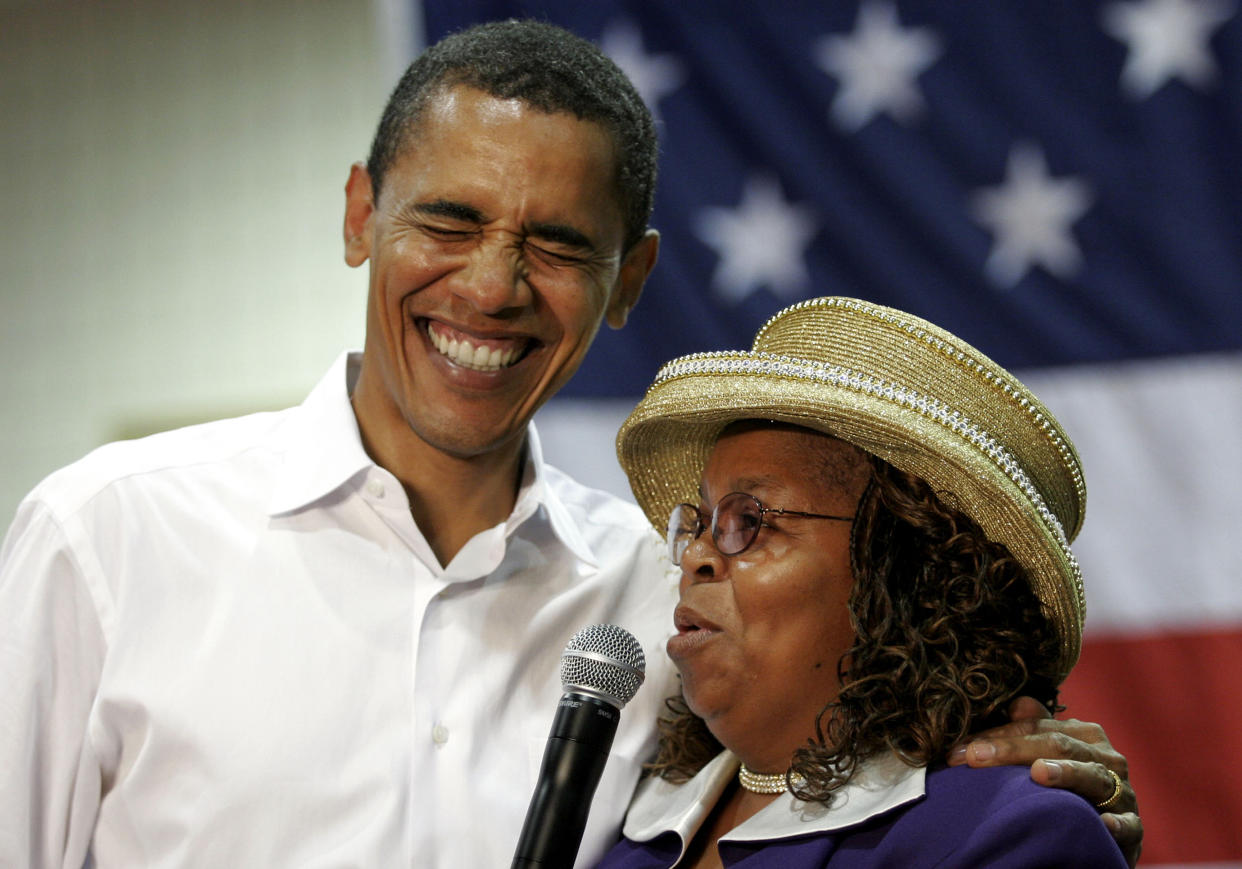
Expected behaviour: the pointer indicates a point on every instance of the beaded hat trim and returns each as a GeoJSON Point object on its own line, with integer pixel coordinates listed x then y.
{"type": "Point", "coordinates": [1005, 382]}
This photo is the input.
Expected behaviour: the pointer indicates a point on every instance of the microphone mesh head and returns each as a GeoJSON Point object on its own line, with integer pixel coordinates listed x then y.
{"type": "Point", "coordinates": [604, 661]}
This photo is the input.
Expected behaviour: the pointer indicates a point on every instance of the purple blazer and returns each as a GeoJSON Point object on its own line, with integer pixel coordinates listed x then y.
{"type": "Point", "coordinates": [994, 817]}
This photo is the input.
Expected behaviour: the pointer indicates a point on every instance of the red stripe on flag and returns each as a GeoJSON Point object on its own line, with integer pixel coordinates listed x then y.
{"type": "Point", "coordinates": [1172, 704]}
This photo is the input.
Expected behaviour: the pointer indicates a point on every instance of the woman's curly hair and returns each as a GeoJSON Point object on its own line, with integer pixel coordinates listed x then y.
{"type": "Point", "coordinates": [947, 633]}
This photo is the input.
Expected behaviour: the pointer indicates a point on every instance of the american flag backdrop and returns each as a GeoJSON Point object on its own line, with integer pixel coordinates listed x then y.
{"type": "Point", "coordinates": [1059, 182]}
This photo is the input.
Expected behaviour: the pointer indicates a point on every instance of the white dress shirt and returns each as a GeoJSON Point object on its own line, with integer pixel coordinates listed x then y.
{"type": "Point", "coordinates": [230, 646]}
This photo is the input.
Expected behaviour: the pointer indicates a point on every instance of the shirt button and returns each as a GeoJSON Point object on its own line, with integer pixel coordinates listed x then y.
{"type": "Point", "coordinates": [375, 488]}
{"type": "Point", "coordinates": [439, 734]}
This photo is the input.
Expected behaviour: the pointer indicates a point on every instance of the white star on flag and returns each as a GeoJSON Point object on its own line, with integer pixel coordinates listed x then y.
{"type": "Point", "coordinates": [1166, 38]}
{"type": "Point", "coordinates": [877, 66]}
{"type": "Point", "coordinates": [761, 243]}
{"type": "Point", "coordinates": [654, 75]}
{"type": "Point", "coordinates": [1030, 215]}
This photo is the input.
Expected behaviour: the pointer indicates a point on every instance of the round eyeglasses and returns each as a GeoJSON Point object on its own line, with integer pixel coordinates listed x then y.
{"type": "Point", "coordinates": [735, 524]}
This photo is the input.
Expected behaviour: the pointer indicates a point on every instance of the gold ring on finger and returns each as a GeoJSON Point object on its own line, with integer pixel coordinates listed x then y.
{"type": "Point", "coordinates": [1114, 797]}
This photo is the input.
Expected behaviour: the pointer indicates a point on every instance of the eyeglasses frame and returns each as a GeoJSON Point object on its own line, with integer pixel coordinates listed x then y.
{"type": "Point", "coordinates": [701, 526]}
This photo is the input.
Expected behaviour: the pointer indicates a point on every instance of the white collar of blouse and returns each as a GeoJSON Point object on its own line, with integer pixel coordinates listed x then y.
{"type": "Point", "coordinates": [880, 785]}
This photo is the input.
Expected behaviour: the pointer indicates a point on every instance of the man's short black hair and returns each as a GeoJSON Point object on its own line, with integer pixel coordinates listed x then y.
{"type": "Point", "coordinates": [547, 67]}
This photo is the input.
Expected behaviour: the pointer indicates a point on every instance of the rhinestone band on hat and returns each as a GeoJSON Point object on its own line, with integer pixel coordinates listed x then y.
{"type": "Point", "coordinates": [768, 782]}
{"type": "Point", "coordinates": [1004, 384]}
{"type": "Point", "coordinates": [732, 362]}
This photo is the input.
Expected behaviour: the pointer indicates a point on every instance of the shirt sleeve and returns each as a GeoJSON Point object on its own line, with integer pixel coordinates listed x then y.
{"type": "Point", "coordinates": [52, 649]}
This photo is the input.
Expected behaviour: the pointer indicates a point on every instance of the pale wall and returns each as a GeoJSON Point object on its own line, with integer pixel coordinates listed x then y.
{"type": "Point", "coordinates": [172, 176]}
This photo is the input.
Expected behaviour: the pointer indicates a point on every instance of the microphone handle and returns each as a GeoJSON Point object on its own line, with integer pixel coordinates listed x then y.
{"type": "Point", "coordinates": [573, 762]}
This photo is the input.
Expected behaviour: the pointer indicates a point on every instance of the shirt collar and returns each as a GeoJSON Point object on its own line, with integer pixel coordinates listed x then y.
{"type": "Point", "coordinates": [536, 490]}
{"type": "Point", "coordinates": [322, 444]}
{"type": "Point", "coordinates": [880, 785]}
{"type": "Point", "coordinates": [323, 451]}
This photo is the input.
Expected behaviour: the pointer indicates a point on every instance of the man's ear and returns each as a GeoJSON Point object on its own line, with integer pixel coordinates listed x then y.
{"type": "Point", "coordinates": [359, 215]}
{"type": "Point", "coordinates": [637, 265]}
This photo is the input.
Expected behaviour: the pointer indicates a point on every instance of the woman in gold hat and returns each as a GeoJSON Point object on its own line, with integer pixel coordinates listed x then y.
{"type": "Point", "coordinates": [872, 521]}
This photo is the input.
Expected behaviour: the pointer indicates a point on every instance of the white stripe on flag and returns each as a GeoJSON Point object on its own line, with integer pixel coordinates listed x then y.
{"type": "Point", "coordinates": [1160, 442]}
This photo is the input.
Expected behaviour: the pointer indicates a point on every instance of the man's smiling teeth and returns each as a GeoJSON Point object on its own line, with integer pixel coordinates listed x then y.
{"type": "Point", "coordinates": [477, 357]}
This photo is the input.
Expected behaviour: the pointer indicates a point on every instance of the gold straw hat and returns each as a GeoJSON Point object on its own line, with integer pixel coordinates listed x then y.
{"type": "Point", "coordinates": [900, 388]}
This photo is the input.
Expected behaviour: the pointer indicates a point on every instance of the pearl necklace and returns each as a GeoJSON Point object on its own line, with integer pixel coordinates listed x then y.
{"type": "Point", "coordinates": [767, 782]}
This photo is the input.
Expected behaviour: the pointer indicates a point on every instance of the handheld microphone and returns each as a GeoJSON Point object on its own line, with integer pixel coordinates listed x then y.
{"type": "Point", "coordinates": [601, 670]}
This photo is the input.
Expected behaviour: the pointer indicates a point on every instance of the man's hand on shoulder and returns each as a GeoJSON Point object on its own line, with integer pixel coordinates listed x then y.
{"type": "Point", "coordinates": [1071, 754]}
